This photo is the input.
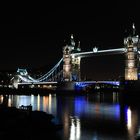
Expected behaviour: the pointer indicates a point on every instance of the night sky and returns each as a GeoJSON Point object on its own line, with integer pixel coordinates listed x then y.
{"type": "Point", "coordinates": [35, 39]}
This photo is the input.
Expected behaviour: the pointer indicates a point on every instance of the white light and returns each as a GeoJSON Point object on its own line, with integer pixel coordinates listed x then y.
{"type": "Point", "coordinates": [75, 129]}
{"type": "Point", "coordinates": [71, 36]}
{"type": "Point", "coordinates": [9, 102]}
{"type": "Point", "coordinates": [38, 102]}
{"type": "Point", "coordinates": [79, 58]}
{"type": "Point", "coordinates": [95, 50]}
{"type": "Point", "coordinates": [78, 129]}
{"type": "Point", "coordinates": [50, 103]}
{"type": "Point", "coordinates": [129, 76]}
{"type": "Point", "coordinates": [135, 48]}
{"type": "Point", "coordinates": [129, 119]}
{"type": "Point", "coordinates": [67, 68]}
{"type": "Point", "coordinates": [130, 65]}
{"type": "Point", "coordinates": [72, 48]}
{"type": "Point", "coordinates": [133, 26]}
{"type": "Point", "coordinates": [32, 99]}
{"type": "Point", "coordinates": [72, 56]}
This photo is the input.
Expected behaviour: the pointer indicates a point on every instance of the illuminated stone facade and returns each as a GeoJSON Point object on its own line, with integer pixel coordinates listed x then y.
{"type": "Point", "coordinates": [131, 62]}
{"type": "Point", "coordinates": [76, 68]}
{"type": "Point", "coordinates": [67, 63]}
{"type": "Point", "coordinates": [71, 64]}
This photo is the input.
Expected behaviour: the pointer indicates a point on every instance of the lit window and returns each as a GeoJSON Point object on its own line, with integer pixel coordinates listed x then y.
{"type": "Point", "coordinates": [130, 65]}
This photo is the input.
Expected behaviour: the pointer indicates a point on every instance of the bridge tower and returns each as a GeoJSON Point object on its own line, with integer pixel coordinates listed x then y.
{"type": "Point", "coordinates": [71, 64]}
{"type": "Point", "coordinates": [131, 62]}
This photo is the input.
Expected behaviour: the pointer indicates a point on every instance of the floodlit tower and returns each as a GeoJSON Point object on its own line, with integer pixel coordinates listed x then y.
{"type": "Point", "coordinates": [131, 63]}
{"type": "Point", "coordinates": [71, 64]}
{"type": "Point", "coordinates": [67, 63]}
{"type": "Point", "coordinates": [67, 60]}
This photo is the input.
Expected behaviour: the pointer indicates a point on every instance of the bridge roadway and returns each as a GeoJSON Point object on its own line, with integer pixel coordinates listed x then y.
{"type": "Point", "coordinates": [38, 83]}
{"type": "Point", "coordinates": [80, 83]}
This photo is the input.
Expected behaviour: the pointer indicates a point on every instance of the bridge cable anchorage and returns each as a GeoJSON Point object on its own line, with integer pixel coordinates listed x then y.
{"type": "Point", "coordinates": [28, 79]}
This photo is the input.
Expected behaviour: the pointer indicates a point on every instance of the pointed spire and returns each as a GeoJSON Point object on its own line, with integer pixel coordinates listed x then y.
{"type": "Point", "coordinates": [78, 47]}
{"type": "Point", "coordinates": [72, 40]}
{"type": "Point", "coordinates": [71, 36]}
{"type": "Point", "coordinates": [134, 29]}
{"type": "Point", "coordinates": [78, 44]}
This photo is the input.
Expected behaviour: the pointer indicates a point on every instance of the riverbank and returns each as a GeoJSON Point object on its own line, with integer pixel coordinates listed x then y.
{"type": "Point", "coordinates": [26, 124]}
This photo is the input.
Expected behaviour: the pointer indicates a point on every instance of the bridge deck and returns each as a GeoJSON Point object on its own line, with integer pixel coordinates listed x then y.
{"type": "Point", "coordinates": [100, 52]}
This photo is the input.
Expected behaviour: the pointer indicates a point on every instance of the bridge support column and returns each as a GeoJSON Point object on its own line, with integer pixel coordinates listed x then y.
{"type": "Point", "coordinates": [76, 75]}
{"type": "Point", "coordinates": [131, 62]}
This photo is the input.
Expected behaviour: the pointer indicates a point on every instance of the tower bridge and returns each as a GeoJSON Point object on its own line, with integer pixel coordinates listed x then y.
{"type": "Point", "coordinates": [68, 67]}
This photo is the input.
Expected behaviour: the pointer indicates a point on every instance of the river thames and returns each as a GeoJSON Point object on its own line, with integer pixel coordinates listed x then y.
{"type": "Point", "coordinates": [95, 116]}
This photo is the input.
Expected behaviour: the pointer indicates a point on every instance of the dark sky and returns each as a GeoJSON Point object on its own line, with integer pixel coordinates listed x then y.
{"type": "Point", "coordinates": [34, 39]}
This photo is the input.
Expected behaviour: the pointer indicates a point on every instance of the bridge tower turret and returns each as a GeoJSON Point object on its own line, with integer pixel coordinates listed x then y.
{"type": "Point", "coordinates": [131, 62]}
{"type": "Point", "coordinates": [72, 41]}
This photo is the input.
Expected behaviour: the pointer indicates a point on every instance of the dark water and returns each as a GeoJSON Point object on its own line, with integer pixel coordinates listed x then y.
{"type": "Point", "coordinates": [86, 117]}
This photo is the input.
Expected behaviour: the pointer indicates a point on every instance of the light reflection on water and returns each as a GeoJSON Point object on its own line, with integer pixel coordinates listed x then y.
{"type": "Point", "coordinates": [75, 128]}
{"type": "Point", "coordinates": [87, 117]}
{"type": "Point", "coordinates": [40, 103]}
{"type": "Point", "coordinates": [132, 122]}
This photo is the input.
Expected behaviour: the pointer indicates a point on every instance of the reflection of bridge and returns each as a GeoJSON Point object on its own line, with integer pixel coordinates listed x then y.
{"type": "Point", "coordinates": [68, 67]}
{"type": "Point", "coordinates": [85, 83]}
